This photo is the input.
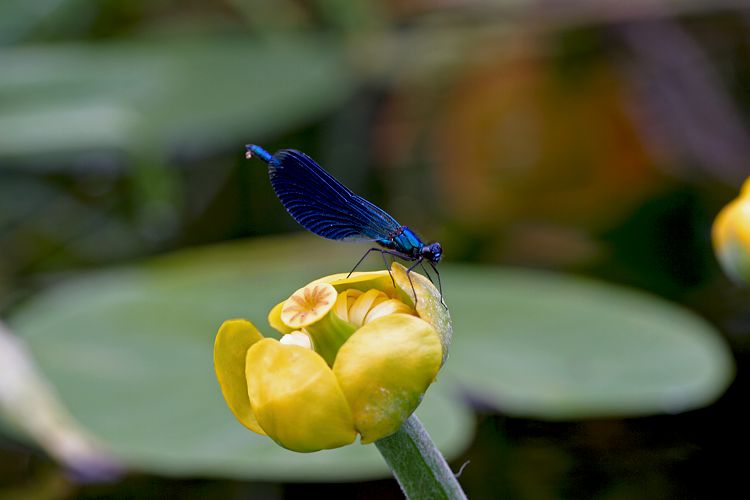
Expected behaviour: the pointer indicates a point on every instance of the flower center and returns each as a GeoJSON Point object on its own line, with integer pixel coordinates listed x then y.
{"type": "Point", "coordinates": [308, 305]}
{"type": "Point", "coordinates": [359, 308]}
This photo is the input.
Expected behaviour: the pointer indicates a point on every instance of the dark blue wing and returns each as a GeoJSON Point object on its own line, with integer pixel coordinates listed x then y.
{"type": "Point", "coordinates": [322, 204]}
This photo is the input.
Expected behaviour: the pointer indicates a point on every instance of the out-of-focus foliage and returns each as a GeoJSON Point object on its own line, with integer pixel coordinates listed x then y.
{"type": "Point", "coordinates": [546, 157]}
{"type": "Point", "coordinates": [534, 144]}
{"type": "Point", "coordinates": [125, 112]}
{"type": "Point", "coordinates": [170, 97]}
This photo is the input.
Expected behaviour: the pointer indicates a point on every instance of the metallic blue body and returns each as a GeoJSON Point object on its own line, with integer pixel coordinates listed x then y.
{"type": "Point", "coordinates": [403, 241]}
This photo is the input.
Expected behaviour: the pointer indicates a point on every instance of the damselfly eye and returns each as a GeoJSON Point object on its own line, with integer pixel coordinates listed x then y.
{"type": "Point", "coordinates": [433, 252]}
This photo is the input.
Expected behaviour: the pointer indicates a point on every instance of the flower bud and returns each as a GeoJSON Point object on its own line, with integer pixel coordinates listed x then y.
{"type": "Point", "coordinates": [731, 236]}
{"type": "Point", "coordinates": [355, 357]}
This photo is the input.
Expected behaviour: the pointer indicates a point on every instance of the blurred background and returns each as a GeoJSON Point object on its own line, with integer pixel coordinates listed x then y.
{"type": "Point", "coordinates": [549, 145]}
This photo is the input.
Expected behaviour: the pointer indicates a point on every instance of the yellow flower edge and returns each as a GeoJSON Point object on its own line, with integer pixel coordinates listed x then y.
{"type": "Point", "coordinates": [731, 236]}
{"type": "Point", "coordinates": [274, 319]}
{"type": "Point", "coordinates": [363, 281]}
{"type": "Point", "coordinates": [296, 398]}
{"type": "Point", "coordinates": [232, 342]}
{"type": "Point", "coordinates": [429, 306]}
{"type": "Point", "coordinates": [384, 369]}
{"type": "Point", "coordinates": [362, 305]}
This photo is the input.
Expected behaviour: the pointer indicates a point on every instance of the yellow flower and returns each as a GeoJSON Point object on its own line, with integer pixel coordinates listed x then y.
{"type": "Point", "coordinates": [355, 357]}
{"type": "Point", "coordinates": [731, 236]}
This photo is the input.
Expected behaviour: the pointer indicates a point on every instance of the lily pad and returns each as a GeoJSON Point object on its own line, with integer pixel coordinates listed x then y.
{"type": "Point", "coordinates": [155, 95]}
{"type": "Point", "coordinates": [548, 346]}
{"type": "Point", "coordinates": [130, 353]}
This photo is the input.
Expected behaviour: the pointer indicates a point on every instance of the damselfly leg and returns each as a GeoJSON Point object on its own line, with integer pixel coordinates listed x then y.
{"type": "Point", "coordinates": [419, 262]}
{"type": "Point", "coordinates": [440, 285]}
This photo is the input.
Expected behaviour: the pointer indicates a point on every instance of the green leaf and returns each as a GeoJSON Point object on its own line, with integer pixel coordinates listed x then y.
{"type": "Point", "coordinates": [541, 345]}
{"type": "Point", "coordinates": [130, 352]}
{"type": "Point", "coordinates": [18, 17]}
{"type": "Point", "coordinates": [155, 94]}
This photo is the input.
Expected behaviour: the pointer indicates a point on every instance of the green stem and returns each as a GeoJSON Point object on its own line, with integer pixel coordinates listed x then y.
{"type": "Point", "coordinates": [418, 465]}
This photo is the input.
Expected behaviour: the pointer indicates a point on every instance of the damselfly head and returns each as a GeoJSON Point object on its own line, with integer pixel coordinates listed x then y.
{"type": "Point", "coordinates": [432, 252]}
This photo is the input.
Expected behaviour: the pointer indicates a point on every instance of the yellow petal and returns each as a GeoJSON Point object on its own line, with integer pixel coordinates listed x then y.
{"type": "Point", "coordinates": [297, 338]}
{"type": "Point", "coordinates": [345, 301]}
{"type": "Point", "coordinates": [364, 281]}
{"type": "Point", "coordinates": [429, 306]}
{"type": "Point", "coordinates": [274, 319]}
{"type": "Point", "coordinates": [363, 304]}
{"type": "Point", "coordinates": [390, 306]}
{"type": "Point", "coordinates": [296, 397]}
{"type": "Point", "coordinates": [731, 237]}
{"type": "Point", "coordinates": [235, 337]}
{"type": "Point", "coordinates": [384, 369]}
{"type": "Point", "coordinates": [745, 190]}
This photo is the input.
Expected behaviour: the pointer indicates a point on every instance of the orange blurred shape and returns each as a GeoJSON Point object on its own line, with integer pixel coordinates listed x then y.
{"type": "Point", "coordinates": [519, 141]}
